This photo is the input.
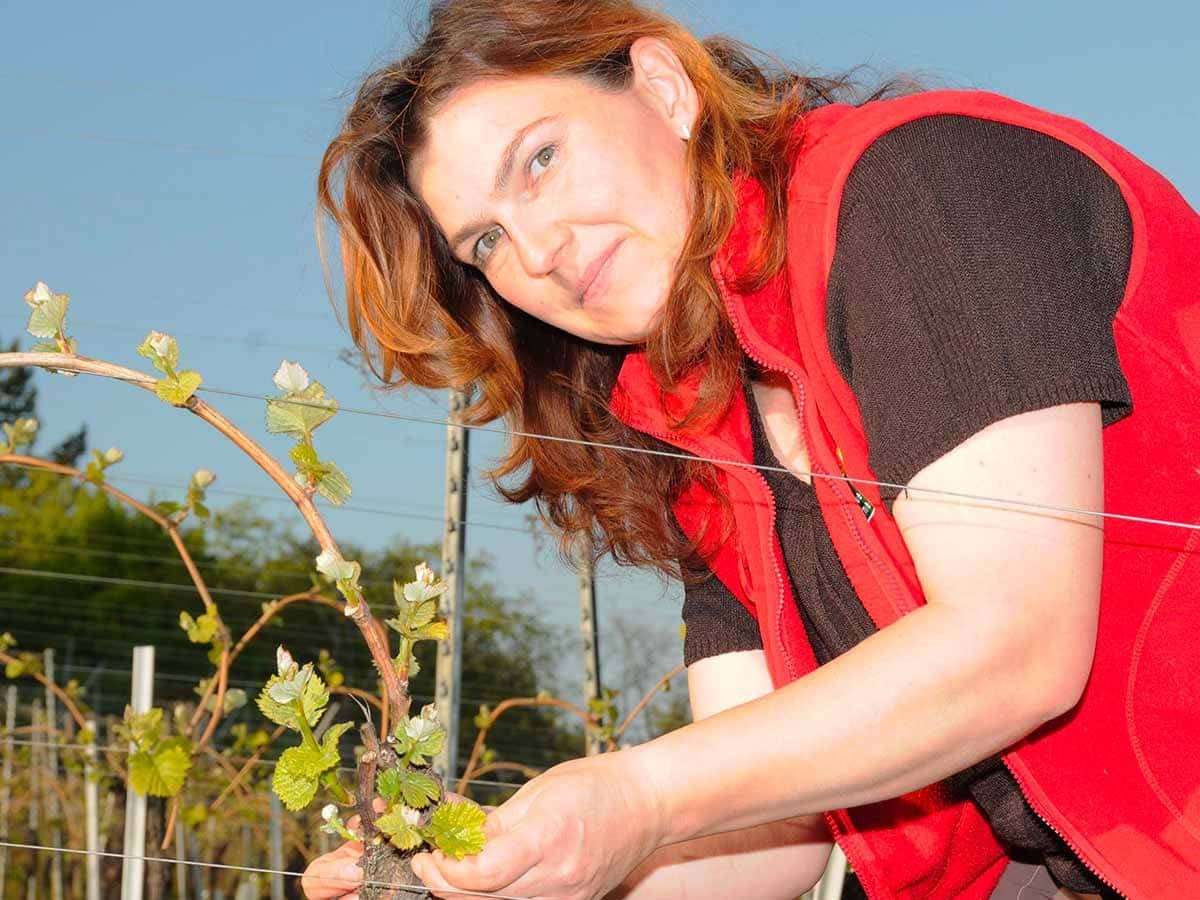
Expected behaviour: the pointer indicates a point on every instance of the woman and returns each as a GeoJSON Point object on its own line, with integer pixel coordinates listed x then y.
{"type": "Point", "coordinates": [611, 232]}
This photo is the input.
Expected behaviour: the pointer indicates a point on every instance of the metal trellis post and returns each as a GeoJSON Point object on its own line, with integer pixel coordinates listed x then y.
{"type": "Point", "coordinates": [52, 808]}
{"type": "Point", "coordinates": [454, 540]}
{"type": "Point", "coordinates": [33, 882]}
{"type": "Point", "coordinates": [10, 722]}
{"type": "Point", "coordinates": [591, 643]}
{"type": "Point", "coordinates": [276, 836]}
{"type": "Point", "coordinates": [133, 866]}
{"type": "Point", "coordinates": [91, 803]}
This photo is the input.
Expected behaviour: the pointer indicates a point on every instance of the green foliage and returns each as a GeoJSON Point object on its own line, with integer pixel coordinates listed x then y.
{"type": "Point", "coordinates": [604, 709]}
{"type": "Point", "coordinates": [418, 738]}
{"type": "Point", "coordinates": [18, 434]}
{"type": "Point", "coordinates": [48, 314]}
{"type": "Point", "coordinates": [194, 815]}
{"type": "Point", "coordinates": [25, 663]}
{"type": "Point", "coordinates": [200, 630]}
{"type": "Point", "coordinates": [163, 352]}
{"type": "Point", "coordinates": [299, 412]}
{"type": "Point", "coordinates": [401, 785]}
{"type": "Point", "coordinates": [101, 462]}
{"type": "Point", "coordinates": [330, 482]}
{"type": "Point", "coordinates": [299, 770]}
{"type": "Point", "coordinates": [158, 765]}
{"type": "Point", "coordinates": [457, 829]}
{"type": "Point", "coordinates": [344, 574]}
{"type": "Point", "coordinates": [161, 770]}
{"type": "Point", "coordinates": [308, 689]}
{"type": "Point", "coordinates": [335, 825]}
{"type": "Point", "coordinates": [328, 668]}
{"type": "Point", "coordinates": [178, 390]}
{"type": "Point", "coordinates": [400, 826]}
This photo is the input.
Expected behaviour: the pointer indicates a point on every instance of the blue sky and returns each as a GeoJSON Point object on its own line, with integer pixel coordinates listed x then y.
{"type": "Point", "coordinates": [159, 164]}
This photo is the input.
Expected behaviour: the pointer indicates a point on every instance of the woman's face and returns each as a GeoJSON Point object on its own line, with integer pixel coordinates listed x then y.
{"type": "Point", "coordinates": [570, 199]}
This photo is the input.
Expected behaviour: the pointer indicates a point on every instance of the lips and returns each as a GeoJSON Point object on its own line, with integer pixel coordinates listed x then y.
{"type": "Point", "coordinates": [594, 279]}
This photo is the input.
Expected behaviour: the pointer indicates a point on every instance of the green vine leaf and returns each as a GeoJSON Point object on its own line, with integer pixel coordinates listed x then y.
{"type": "Point", "coordinates": [162, 350]}
{"type": "Point", "coordinates": [179, 391]}
{"type": "Point", "coordinates": [49, 312]}
{"type": "Point", "coordinates": [457, 829]}
{"type": "Point", "coordinates": [160, 772]}
{"type": "Point", "coordinates": [100, 463]}
{"type": "Point", "coordinates": [414, 789]}
{"type": "Point", "coordinates": [334, 486]}
{"type": "Point", "coordinates": [300, 413]}
{"type": "Point", "coordinates": [314, 697]}
{"type": "Point", "coordinates": [345, 574]}
{"type": "Point", "coordinates": [200, 630]}
{"type": "Point", "coordinates": [420, 737]}
{"type": "Point", "coordinates": [18, 434]}
{"type": "Point", "coordinates": [299, 770]}
{"type": "Point", "coordinates": [400, 826]}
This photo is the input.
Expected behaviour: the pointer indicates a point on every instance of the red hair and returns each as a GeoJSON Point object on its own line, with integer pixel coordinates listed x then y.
{"type": "Point", "coordinates": [422, 317]}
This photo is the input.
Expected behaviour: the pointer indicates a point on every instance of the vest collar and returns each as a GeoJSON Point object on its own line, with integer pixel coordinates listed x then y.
{"type": "Point", "coordinates": [762, 320]}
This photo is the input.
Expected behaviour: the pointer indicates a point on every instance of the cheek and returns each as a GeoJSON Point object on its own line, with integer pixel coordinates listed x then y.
{"type": "Point", "coordinates": [516, 289]}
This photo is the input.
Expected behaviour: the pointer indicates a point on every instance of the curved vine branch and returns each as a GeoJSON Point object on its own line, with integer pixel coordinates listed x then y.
{"type": "Point", "coordinates": [372, 633]}
{"type": "Point", "coordinates": [645, 701]}
{"type": "Point", "coordinates": [58, 691]}
{"type": "Point", "coordinates": [589, 721]}
{"type": "Point", "coordinates": [220, 679]}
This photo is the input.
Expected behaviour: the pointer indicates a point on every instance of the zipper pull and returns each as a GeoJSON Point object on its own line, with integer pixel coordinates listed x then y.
{"type": "Point", "coordinates": [864, 504]}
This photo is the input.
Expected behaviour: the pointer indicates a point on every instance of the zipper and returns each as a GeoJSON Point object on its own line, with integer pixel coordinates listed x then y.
{"type": "Point", "coordinates": [1066, 840]}
{"type": "Point", "coordinates": [864, 504]}
{"type": "Point", "coordinates": [836, 830]}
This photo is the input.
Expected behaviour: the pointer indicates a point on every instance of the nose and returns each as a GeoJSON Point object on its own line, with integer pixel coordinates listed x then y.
{"type": "Point", "coordinates": [540, 241]}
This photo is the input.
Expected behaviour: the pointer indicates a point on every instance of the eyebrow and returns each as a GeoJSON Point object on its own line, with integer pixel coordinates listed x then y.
{"type": "Point", "coordinates": [503, 174]}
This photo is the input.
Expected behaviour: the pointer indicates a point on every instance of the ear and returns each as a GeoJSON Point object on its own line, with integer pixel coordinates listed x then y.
{"type": "Point", "coordinates": [660, 78]}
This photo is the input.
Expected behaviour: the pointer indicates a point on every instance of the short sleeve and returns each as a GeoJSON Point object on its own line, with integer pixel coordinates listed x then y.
{"type": "Point", "coordinates": [978, 269]}
{"type": "Point", "coordinates": [715, 622]}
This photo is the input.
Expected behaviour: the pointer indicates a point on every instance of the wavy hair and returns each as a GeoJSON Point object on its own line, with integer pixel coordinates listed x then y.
{"type": "Point", "coordinates": [422, 317]}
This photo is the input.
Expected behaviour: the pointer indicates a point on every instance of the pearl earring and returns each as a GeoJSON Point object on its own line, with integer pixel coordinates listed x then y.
{"type": "Point", "coordinates": [687, 132]}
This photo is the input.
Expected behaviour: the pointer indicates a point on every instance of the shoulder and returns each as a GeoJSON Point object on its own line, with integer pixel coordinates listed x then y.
{"type": "Point", "coordinates": [959, 159]}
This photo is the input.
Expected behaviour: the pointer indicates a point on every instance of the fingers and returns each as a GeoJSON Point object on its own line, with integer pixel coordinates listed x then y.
{"type": "Point", "coordinates": [334, 875]}
{"type": "Point", "coordinates": [505, 858]}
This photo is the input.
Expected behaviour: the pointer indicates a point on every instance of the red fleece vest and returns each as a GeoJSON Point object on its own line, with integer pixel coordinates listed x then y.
{"type": "Point", "coordinates": [1118, 777]}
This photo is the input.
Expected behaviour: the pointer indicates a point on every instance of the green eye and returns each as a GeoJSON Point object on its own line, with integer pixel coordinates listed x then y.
{"type": "Point", "coordinates": [543, 158]}
{"type": "Point", "coordinates": [486, 244]}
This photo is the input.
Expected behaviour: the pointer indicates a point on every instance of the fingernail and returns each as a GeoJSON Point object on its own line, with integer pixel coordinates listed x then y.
{"type": "Point", "coordinates": [350, 872]}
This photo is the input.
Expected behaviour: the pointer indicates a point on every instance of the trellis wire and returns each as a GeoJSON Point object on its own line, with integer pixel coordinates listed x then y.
{"type": "Point", "coordinates": [490, 429]}
{"type": "Point", "coordinates": [394, 886]}
{"type": "Point", "coordinates": [268, 763]}
{"type": "Point", "coordinates": [958, 495]}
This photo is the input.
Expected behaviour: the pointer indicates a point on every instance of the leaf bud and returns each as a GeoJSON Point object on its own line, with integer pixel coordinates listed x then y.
{"type": "Point", "coordinates": [113, 455]}
{"type": "Point", "coordinates": [425, 575]}
{"type": "Point", "coordinates": [285, 665]}
{"type": "Point", "coordinates": [39, 295]}
{"type": "Point", "coordinates": [202, 478]}
{"type": "Point", "coordinates": [160, 343]}
{"type": "Point", "coordinates": [291, 377]}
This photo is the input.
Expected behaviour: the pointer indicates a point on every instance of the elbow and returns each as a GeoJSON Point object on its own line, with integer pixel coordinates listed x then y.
{"type": "Point", "coordinates": [1057, 685]}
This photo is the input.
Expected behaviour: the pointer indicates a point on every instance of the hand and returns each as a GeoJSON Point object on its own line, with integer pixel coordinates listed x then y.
{"type": "Point", "coordinates": [337, 875]}
{"type": "Point", "coordinates": [572, 833]}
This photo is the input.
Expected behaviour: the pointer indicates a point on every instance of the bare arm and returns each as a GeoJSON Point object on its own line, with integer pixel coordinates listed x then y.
{"type": "Point", "coordinates": [960, 678]}
{"type": "Point", "coordinates": [942, 688]}
{"type": "Point", "coordinates": [780, 859]}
